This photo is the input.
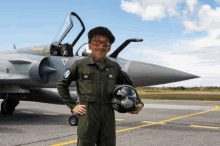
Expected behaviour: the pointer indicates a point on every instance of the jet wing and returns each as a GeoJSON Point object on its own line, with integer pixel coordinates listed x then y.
{"type": "Point", "coordinates": [7, 78]}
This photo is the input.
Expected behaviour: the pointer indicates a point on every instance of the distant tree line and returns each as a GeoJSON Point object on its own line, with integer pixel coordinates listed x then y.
{"type": "Point", "coordinates": [209, 88]}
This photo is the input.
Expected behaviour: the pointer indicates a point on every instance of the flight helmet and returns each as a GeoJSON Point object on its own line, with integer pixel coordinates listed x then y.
{"type": "Point", "coordinates": [124, 98]}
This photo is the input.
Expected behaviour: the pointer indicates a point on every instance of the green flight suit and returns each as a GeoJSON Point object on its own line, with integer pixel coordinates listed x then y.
{"type": "Point", "coordinates": [95, 84]}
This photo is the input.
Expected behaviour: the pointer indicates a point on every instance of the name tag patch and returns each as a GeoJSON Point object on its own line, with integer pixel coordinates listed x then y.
{"type": "Point", "coordinates": [66, 74]}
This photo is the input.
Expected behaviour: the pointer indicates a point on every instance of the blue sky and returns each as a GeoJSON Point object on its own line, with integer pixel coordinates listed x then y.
{"type": "Point", "coordinates": [179, 34]}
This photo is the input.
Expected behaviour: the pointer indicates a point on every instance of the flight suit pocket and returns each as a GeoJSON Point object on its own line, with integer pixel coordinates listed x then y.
{"type": "Point", "coordinates": [85, 83]}
{"type": "Point", "coordinates": [85, 87]}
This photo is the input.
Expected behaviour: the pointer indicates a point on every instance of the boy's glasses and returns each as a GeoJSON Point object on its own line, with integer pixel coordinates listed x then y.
{"type": "Point", "coordinates": [97, 43]}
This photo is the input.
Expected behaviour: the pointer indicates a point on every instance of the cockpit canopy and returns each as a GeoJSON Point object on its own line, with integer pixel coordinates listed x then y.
{"type": "Point", "coordinates": [67, 26]}
{"type": "Point", "coordinates": [58, 49]}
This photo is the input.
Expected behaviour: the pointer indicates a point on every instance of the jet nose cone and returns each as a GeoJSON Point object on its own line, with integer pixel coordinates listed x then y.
{"type": "Point", "coordinates": [146, 74]}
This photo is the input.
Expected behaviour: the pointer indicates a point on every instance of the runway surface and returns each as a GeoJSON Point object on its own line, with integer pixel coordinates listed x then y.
{"type": "Point", "coordinates": [160, 123]}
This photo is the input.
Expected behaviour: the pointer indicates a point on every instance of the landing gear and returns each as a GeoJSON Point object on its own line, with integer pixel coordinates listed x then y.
{"type": "Point", "coordinates": [9, 104]}
{"type": "Point", "coordinates": [7, 109]}
{"type": "Point", "coordinates": [73, 120]}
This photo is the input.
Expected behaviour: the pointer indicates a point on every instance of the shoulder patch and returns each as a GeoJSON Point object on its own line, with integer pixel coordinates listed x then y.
{"type": "Point", "coordinates": [66, 74]}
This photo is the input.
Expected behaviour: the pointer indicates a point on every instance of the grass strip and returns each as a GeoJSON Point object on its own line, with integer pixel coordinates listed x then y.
{"type": "Point", "coordinates": [181, 97]}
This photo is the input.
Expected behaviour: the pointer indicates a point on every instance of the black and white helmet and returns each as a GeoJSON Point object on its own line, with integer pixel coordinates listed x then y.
{"type": "Point", "coordinates": [124, 98]}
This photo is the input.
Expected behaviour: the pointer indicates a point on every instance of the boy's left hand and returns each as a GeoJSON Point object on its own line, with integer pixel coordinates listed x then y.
{"type": "Point", "coordinates": [140, 106]}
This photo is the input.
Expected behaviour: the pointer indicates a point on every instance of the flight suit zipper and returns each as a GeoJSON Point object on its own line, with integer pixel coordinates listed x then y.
{"type": "Point", "coordinates": [101, 93]}
{"type": "Point", "coordinates": [100, 78]}
{"type": "Point", "coordinates": [100, 81]}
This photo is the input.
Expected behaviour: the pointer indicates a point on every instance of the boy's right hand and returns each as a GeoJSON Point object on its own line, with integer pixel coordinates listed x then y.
{"type": "Point", "coordinates": [81, 109]}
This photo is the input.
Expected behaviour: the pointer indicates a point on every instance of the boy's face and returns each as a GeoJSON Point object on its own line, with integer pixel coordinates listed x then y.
{"type": "Point", "coordinates": [99, 46]}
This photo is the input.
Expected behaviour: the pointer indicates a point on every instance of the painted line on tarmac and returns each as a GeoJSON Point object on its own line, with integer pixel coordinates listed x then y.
{"type": "Point", "coordinates": [209, 127]}
{"type": "Point", "coordinates": [27, 112]}
{"type": "Point", "coordinates": [196, 126]}
{"type": "Point", "coordinates": [65, 143]}
{"type": "Point", "coordinates": [152, 122]}
{"type": "Point", "coordinates": [216, 108]}
{"type": "Point", "coordinates": [182, 107]}
{"type": "Point", "coordinates": [119, 119]}
{"type": "Point", "coordinates": [42, 113]}
{"type": "Point", "coordinates": [50, 114]}
{"type": "Point", "coordinates": [132, 128]}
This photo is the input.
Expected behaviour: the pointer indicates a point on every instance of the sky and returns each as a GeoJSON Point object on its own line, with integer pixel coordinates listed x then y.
{"type": "Point", "coordinates": [179, 34]}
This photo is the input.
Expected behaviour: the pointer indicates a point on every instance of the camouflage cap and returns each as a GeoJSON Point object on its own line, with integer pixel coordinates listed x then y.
{"type": "Point", "coordinates": [101, 31]}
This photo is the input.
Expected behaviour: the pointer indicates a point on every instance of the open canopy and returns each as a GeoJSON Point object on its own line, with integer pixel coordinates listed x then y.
{"type": "Point", "coordinates": [68, 24]}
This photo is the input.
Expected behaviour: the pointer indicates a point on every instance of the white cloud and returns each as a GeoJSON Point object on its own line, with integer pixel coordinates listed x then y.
{"type": "Point", "coordinates": [156, 9]}
{"type": "Point", "coordinates": [132, 7]}
{"type": "Point", "coordinates": [191, 5]}
{"type": "Point", "coordinates": [172, 11]}
{"type": "Point", "coordinates": [208, 19]}
{"type": "Point", "coordinates": [196, 17]}
{"type": "Point", "coordinates": [209, 45]}
{"type": "Point", "coordinates": [151, 9]}
{"type": "Point", "coordinates": [217, 1]}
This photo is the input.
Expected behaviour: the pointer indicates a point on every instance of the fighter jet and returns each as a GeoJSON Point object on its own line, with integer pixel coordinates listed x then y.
{"type": "Point", "coordinates": [31, 73]}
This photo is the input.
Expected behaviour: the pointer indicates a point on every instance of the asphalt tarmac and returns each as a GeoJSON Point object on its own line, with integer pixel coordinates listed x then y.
{"type": "Point", "coordinates": [160, 123]}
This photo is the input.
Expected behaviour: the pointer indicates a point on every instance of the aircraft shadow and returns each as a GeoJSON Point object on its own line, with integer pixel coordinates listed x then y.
{"type": "Point", "coordinates": [35, 118]}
